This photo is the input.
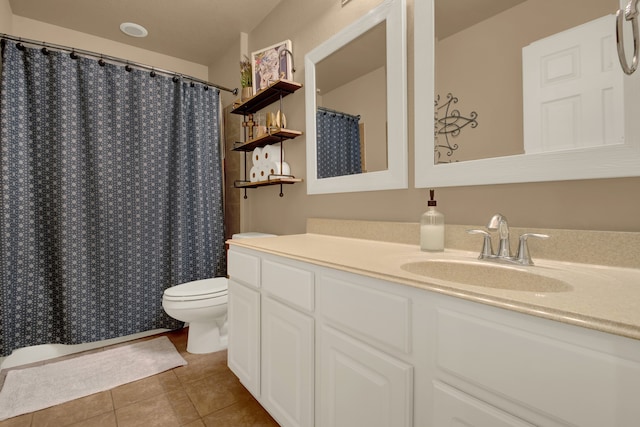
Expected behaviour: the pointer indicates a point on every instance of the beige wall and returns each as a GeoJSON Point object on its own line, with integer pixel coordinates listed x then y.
{"type": "Point", "coordinates": [36, 30]}
{"type": "Point", "coordinates": [5, 17]}
{"type": "Point", "coordinates": [226, 72]}
{"type": "Point", "coordinates": [605, 204]}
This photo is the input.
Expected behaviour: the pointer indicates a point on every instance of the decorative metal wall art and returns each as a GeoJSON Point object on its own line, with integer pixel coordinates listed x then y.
{"type": "Point", "coordinates": [449, 123]}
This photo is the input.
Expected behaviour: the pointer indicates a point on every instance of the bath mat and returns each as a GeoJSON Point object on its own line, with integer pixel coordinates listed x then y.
{"type": "Point", "coordinates": [31, 389]}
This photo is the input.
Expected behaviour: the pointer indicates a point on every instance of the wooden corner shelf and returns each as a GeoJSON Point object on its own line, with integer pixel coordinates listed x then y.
{"type": "Point", "coordinates": [267, 96]}
{"type": "Point", "coordinates": [273, 137]}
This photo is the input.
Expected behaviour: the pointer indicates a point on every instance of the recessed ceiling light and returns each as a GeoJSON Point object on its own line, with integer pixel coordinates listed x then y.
{"type": "Point", "coordinates": [133, 30]}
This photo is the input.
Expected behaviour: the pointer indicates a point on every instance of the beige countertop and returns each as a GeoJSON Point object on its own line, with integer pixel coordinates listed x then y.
{"type": "Point", "coordinates": [603, 298]}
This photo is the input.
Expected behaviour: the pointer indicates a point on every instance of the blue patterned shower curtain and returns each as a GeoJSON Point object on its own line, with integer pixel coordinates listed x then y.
{"type": "Point", "coordinates": [110, 192]}
{"type": "Point", "coordinates": [338, 147]}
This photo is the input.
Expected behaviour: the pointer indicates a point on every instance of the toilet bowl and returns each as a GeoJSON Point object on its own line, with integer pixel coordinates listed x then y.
{"type": "Point", "coordinates": [203, 304]}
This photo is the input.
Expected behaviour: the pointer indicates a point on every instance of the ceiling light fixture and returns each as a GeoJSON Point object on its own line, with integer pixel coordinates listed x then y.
{"type": "Point", "coordinates": [133, 30]}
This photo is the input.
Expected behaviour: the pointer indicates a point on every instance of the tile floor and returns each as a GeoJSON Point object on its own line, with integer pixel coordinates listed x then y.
{"type": "Point", "coordinates": [204, 393]}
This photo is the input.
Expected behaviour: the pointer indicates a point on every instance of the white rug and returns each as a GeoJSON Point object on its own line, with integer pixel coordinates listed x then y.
{"type": "Point", "coordinates": [31, 389]}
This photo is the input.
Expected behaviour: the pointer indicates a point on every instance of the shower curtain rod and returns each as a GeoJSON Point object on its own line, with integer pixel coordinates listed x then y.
{"type": "Point", "coordinates": [336, 112]}
{"type": "Point", "coordinates": [101, 56]}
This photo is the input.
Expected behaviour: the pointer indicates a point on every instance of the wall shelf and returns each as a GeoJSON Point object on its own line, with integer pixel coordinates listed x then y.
{"type": "Point", "coordinates": [267, 96]}
{"type": "Point", "coordinates": [278, 181]}
{"type": "Point", "coordinates": [275, 136]}
{"type": "Point", "coordinates": [248, 184]}
{"type": "Point", "coordinates": [274, 92]}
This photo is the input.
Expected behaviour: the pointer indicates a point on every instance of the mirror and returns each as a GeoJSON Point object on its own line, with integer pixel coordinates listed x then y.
{"type": "Point", "coordinates": [355, 99]}
{"type": "Point", "coordinates": [351, 118]}
{"type": "Point", "coordinates": [521, 95]}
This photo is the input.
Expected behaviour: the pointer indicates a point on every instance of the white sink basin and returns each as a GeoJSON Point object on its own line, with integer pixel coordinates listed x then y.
{"type": "Point", "coordinates": [497, 276]}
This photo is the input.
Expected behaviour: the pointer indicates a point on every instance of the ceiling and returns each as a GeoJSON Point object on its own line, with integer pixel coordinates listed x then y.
{"type": "Point", "coordinates": [193, 30]}
{"type": "Point", "coordinates": [201, 30]}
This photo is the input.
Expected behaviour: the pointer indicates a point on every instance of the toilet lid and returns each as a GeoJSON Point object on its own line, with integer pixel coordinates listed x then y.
{"type": "Point", "coordinates": [199, 289]}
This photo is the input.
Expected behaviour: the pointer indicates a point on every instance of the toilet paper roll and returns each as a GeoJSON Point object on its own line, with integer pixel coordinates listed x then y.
{"type": "Point", "coordinates": [263, 173]}
{"type": "Point", "coordinates": [257, 156]}
{"type": "Point", "coordinates": [272, 153]}
{"type": "Point", "coordinates": [254, 174]}
{"type": "Point", "coordinates": [277, 168]}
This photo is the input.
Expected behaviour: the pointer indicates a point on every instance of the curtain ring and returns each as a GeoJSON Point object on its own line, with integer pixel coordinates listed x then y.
{"type": "Point", "coordinates": [101, 62]}
{"type": "Point", "coordinates": [44, 50]}
{"type": "Point", "coordinates": [20, 47]}
{"type": "Point", "coordinates": [175, 78]}
{"type": "Point", "coordinates": [193, 84]}
{"type": "Point", "coordinates": [152, 73]}
{"type": "Point", "coordinates": [630, 14]}
{"type": "Point", "coordinates": [73, 55]}
{"type": "Point", "coordinates": [128, 68]}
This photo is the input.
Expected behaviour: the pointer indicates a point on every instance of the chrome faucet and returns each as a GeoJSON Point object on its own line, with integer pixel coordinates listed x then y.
{"type": "Point", "coordinates": [498, 222]}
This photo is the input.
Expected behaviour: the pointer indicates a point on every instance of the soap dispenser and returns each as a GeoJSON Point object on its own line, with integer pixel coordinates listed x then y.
{"type": "Point", "coordinates": [432, 227]}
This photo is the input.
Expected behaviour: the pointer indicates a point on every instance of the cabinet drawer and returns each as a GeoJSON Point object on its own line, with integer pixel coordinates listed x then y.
{"type": "Point", "coordinates": [244, 268]}
{"type": "Point", "coordinates": [288, 283]}
{"type": "Point", "coordinates": [550, 374]}
{"type": "Point", "coordinates": [382, 317]}
{"type": "Point", "coordinates": [453, 407]}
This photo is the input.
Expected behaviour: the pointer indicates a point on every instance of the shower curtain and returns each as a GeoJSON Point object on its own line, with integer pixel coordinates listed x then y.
{"type": "Point", "coordinates": [110, 192]}
{"type": "Point", "coordinates": [338, 147]}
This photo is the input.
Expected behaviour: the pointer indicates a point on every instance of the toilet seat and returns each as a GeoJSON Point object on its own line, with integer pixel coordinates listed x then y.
{"type": "Point", "coordinates": [197, 290]}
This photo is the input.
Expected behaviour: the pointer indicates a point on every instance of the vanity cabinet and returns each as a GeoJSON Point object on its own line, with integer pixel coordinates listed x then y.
{"type": "Point", "coordinates": [344, 349]}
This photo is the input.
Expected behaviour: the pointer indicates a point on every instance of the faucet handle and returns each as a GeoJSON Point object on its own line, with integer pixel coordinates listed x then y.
{"type": "Point", "coordinates": [487, 248]}
{"type": "Point", "coordinates": [523, 256]}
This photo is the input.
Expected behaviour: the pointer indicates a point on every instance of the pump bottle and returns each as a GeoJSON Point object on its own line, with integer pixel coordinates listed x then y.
{"type": "Point", "coordinates": [432, 227]}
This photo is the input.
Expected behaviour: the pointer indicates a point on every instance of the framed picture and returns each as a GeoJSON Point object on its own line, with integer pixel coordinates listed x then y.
{"type": "Point", "coordinates": [270, 64]}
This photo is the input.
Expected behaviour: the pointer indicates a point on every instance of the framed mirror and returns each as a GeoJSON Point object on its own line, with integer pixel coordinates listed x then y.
{"type": "Point", "coordinates": [522, 91]}
{"type": "Point", "coordinates": [356, 105]}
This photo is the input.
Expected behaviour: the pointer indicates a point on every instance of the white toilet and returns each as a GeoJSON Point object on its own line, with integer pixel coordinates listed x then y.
{"type": "Point", "coordinates": [203, 304]}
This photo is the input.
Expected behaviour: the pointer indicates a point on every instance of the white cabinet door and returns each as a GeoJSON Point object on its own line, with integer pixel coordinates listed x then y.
{"type": "Point", "coordinates": [244, 335]}
{"type": "Point", "coordinates": [287, 364]}
{"type": "Point", "coordinates": [361, 386]}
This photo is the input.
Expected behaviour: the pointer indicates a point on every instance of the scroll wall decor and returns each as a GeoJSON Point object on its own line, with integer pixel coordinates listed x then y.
{"type": "Point", "coordinates": [448, 123]}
